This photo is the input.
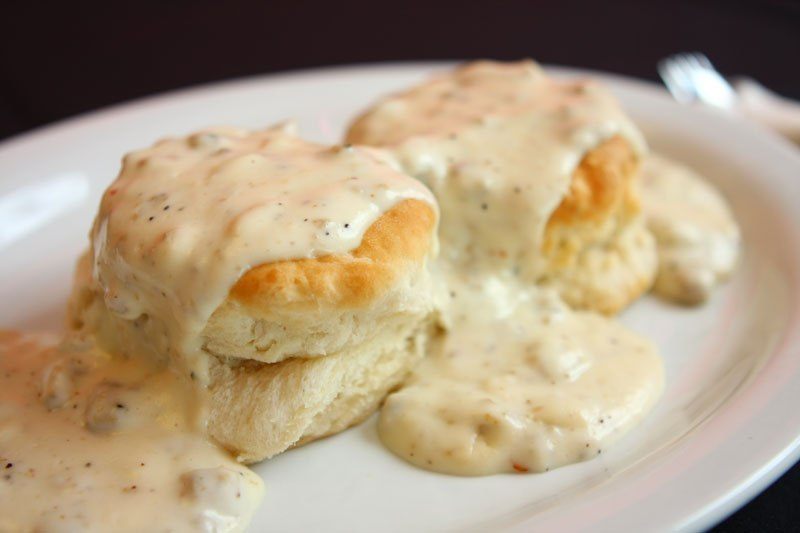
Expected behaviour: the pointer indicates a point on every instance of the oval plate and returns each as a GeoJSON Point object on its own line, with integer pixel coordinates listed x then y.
{"type": "Point", "coordinates": [728, 423]}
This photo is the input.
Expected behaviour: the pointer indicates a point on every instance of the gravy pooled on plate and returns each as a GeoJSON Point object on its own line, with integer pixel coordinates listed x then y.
{"type": "Point", "coordinates": [95, 442]}
{"type": "Point", "coordinates": [520, 383]}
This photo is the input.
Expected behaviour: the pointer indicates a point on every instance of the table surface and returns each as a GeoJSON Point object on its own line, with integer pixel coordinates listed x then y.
{"type": "Point", "coordinates": [59, 59]}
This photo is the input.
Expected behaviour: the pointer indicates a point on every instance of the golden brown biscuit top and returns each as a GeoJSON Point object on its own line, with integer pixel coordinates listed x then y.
{"type": "Point", "coordinates": [396, 242]}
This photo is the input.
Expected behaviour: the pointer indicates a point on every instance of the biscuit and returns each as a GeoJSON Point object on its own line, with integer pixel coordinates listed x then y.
{"type": "Point", "coordinates": [298, 347]}
{"type": "Point", "coordinates": [492, 141]}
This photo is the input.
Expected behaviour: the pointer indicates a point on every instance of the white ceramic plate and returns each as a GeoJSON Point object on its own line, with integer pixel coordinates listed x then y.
{"type": "Point", "coordinates": [729, 421]}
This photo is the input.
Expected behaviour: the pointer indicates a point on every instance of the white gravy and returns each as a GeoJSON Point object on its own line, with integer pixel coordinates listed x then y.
{"type": "Point", "coordinates": [697, 236]}
{"type": "Point", "coordinates": [520, 384]}
{"type": "Point", "coordinates": [94, 442]}
{"type": "Point", "coordinates": [187, 217]}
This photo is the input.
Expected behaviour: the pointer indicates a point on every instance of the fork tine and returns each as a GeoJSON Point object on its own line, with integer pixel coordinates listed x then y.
{"type": "Point", "coordinates": [683, 63]}
{"type": "Point", "coordinates": [680, 73]}
{"type": "Point", "coordinates": [664, 68]}
{"type": "Point", "coordinates": [703, 60]}
{"type": "Point", "coordinates": [676, 79]}
{"type": "Point", "coordinates": [693, 62]}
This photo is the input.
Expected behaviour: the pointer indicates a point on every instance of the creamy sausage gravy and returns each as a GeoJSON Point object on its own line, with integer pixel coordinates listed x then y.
{"type": "Point", "coordinates": [697, 236]}
{"type": "Point", "coordinates": [520, 383]}
{"type": "Point", "coordinates": [92, 440]}
{"type": "Point", "coordinates": [95, 442]}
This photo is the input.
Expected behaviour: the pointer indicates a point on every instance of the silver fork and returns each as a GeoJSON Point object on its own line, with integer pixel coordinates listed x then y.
{"type": "Point", "coordinates": [690, 77]}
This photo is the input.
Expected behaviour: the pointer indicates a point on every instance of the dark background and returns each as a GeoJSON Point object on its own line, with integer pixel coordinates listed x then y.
{"type": "Point", "coordinates": [58, 59]}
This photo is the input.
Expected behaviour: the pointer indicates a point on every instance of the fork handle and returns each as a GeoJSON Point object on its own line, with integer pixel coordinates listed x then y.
{"type": "Point", "coordinates": [764, 106]}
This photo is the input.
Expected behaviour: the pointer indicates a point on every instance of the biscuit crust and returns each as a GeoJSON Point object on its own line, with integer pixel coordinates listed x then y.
{"type": "Point", "coordinates": [395, 242]}
{"type": "Point", "coordinates": [600, 256]}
